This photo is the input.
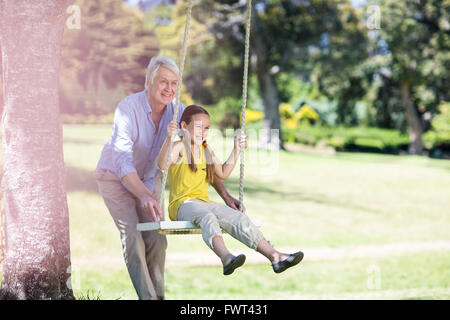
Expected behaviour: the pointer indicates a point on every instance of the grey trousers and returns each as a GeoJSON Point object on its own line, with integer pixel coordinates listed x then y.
{"type": "Point", "coordinates": [144, 252]}
{"type": "Point", "coordinates": [211, 217]}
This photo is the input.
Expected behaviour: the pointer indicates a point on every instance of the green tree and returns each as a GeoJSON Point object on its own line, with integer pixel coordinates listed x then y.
{"type": "Point", "coordinates": [286, 36]}
{"type": "Point", "coordinates": [339, 69]}
{"type": "Point", "coordinates": [417, 38]}
{"type": "Point", "coordinates": [439, 135]}
{"type": "Point", "coordinates": [111, 50]}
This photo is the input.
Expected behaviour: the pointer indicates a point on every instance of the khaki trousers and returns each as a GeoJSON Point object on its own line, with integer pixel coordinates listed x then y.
{"type": "Point", "coordinates": [211, 217]}
{"type": "Point", "coordinates": [144, 252]}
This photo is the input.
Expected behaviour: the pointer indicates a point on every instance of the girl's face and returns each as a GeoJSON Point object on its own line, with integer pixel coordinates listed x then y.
{"type": "Point", "coordinates": [198, 128]}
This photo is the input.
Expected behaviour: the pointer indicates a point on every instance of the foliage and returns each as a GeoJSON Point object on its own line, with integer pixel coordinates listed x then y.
{"type": "Point", "coordinates": [106, 59]}
{"type": "Point", "coordinates": [283, 34]}
{"type": "Point", "coordinates": [88, 295]}
{"type": "Point", "coordinates": [253, 115]}
{"type": "Point", "coordinates": [231, 113]}
{"type": "Point", "coordinates": [346, 139]}
{"type": "Point", "coordinates": [439, 135]}
{"type": "Point", "coordinates": [424, 24]}
{"type": "Point", "coordinates": [286, 111]}
{"type": "Point", "coordinates": [415, 42]}
{"type": "Point", "coordinates": [338, 71]}
{"type": "Point", "coordinates": [200, 79]}
{"type": "Point", "coordinates": [304, 115]}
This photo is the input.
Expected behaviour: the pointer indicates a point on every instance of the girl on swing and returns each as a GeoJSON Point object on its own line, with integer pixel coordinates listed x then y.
{"type": "Point", "coordinates": [192, 166]}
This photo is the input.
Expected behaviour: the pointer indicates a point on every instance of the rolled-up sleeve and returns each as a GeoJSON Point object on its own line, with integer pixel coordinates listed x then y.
{"type": "Point", "coordinates": [122, 141]}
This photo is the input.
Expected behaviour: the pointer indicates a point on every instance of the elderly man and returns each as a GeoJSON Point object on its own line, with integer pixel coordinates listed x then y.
{"type": "Point", "coordinates": [127, 170]}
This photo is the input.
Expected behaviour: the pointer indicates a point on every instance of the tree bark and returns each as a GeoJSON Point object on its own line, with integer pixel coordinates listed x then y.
{"type": "Point", "coordinates": [37, 254]}
{"type": "Point", "coordinates": [267, 83]}
{"type": "Point", "coordinates": [415, 124]}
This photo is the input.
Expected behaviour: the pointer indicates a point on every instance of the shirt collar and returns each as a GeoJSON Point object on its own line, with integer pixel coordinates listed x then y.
{"type": "Point", "coordinates": [148, 109]}
{"type": "Point", "coordinates": [146, 105]}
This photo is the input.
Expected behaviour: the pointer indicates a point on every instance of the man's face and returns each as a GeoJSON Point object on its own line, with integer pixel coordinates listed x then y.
{"type": "Point", "coordinates": [164, 86]}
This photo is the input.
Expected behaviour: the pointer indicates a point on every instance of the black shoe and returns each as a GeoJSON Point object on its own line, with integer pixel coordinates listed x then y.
{"type": "Point", "coordinates": [290, 261]}
{"type": "Point", "coordinates": [236, 262]}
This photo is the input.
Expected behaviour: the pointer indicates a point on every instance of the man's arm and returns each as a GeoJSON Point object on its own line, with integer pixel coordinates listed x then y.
{"type": "Point", "coordinates": [122, 154]}
{"type": "Point", "coordinates": [148, 202]}
{"type": "Point", "coordinates": [223, 193]}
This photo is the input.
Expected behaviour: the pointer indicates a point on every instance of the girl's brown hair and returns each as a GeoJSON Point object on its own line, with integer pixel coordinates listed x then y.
{"type": "Point", "coordinates": [187, 115]}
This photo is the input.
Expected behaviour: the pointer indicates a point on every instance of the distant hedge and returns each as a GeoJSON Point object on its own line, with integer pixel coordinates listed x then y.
{"type": "Point", "coordinates": [347, 139]}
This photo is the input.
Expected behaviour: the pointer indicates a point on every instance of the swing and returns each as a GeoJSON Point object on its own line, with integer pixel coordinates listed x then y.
{"type": "Point", "coordinates": [187, 227]}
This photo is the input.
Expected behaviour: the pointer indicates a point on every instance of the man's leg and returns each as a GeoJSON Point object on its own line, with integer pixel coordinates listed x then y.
{"type": "Point", "coordinates": [155, 254]}
{"type": "Point", "coordinates": [122, 207]}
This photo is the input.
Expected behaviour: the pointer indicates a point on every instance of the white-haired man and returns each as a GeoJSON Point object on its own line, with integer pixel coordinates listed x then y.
{"type": "Point", "coordinates": [127, 170]}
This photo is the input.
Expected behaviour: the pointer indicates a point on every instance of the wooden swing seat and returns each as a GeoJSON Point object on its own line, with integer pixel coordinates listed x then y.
{"type": "Point", "coordinates": [174, 227]}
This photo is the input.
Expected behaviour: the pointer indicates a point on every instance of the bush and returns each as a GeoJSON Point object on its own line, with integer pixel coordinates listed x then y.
{"type": "Point", "coordinates": [253, 115]}
{"type": "Point", "coordinates": [306, 114]}
{"type": "Point", "coordinates": [439, 135]}
{"type": "Point", "coordinates": [231, 110]}
{"type": "Point", "coordinates": [348, 139]}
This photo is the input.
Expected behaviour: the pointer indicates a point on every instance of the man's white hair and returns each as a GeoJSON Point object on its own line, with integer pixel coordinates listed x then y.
{"type": "Point", "coordinates": [154, 65]}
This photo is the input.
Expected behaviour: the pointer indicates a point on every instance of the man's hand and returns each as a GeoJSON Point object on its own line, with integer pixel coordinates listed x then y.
{"type": "Point", "coordinates": [233, 203]}
{"type": "Point", "coordinates": [148, 203]}
{"type": "Point", "coordinates": [151, 207]}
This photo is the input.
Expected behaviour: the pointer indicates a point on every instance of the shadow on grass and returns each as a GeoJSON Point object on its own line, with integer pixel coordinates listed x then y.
{"type": "Point", "coordinates": [253, 189]}
{"type": "Point", "coordinates": [80, 180]}
{"type": "Point", "coordinates": [83, 180]}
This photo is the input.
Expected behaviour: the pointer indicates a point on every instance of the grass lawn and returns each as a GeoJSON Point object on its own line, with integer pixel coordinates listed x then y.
{"type": "Point", "coordinates": [418, 276]}
{"type": "Point", "coordinates": [301, 200]}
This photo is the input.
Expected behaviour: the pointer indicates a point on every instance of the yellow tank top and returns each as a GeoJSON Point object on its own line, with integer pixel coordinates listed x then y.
{"type": "Point", "coordinates": [186, 184]}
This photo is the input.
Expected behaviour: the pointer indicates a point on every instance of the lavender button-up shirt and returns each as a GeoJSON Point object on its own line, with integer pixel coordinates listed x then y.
{"type": "Point", "coordinates": [135, 144]}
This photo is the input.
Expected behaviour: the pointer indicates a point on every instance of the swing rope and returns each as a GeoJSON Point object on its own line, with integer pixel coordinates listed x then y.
{"type": "Point", "coordinates": [177, 100]}
{"type": "Point", "coordinates": [188, 226]}
{"type": "Point", "coordinates": [244, 101]}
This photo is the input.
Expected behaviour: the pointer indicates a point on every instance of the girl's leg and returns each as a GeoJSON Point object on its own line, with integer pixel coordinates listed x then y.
{"type": "Point", "coordinates": [198, 214]}
{"type": "Point", "coordinates": [229, 261]}
{"type": "Point", "coordinates": [243, 229]}
{"type": "Point", "coordinates": [237, 224]}
{"type": "Point", "coordinates": [267, 250]}
{"type": "Point", "coordinates": [219, 248]}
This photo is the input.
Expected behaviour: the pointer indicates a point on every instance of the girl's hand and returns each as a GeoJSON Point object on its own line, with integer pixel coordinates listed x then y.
{"type": "Point", "coordinates": [240, 142]}
{"type": "Point", "coordinates": [172, 129]}
{"type": "Point", "coordinates": [234, 203]}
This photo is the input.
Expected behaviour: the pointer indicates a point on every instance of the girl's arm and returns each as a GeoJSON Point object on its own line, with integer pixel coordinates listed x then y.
{"type": "Point", "coordinates": [224, 170]}
{"type": "Point", "coordinates": [171, 130]}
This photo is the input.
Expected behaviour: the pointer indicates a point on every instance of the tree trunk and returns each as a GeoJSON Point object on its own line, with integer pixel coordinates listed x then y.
{"type": "Point", "coordinates": [415, 124]}
{"type": "Point", "coordinates": [37, 253]}
{"type": "Point", "coordinates": [267, 83]}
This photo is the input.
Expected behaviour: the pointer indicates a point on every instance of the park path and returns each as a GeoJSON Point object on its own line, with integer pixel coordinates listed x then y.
{"type": "Point", "coordinates": [208, 258]}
